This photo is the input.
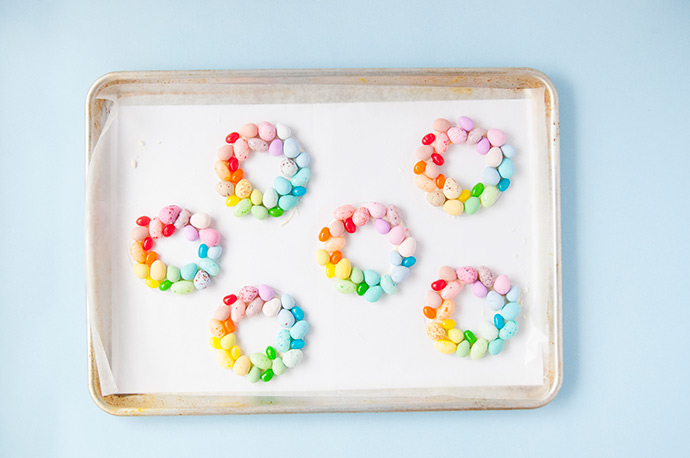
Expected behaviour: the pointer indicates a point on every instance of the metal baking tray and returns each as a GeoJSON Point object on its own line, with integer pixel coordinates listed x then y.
{"type": "Point", "coordinates": [313, 86]}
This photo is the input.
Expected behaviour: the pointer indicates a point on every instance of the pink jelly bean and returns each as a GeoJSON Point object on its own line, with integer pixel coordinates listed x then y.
{"type": "Point", "coordinates": [248, 293]}
{"type": "Point", "coordinates": [466, 123]}
{"type": "Point", "coordinates": [225, 152]}
{"type": "Point", "coordinates": [254, 307]}
{"type": "Point", "coordinates": [457, 135]}
{"type": "Point", "coordinates": [210, 237]}
{"type": "Point", "coordinates": [265, 292]}
{"type": "Point", "coordinates": [483, 146]}
{"type": "Point", "coordinates": [433, 300]}
{"type": "Point", "coordinates": [169, 214]}
{"type": "Point", "coordinates": [382, 226]}
{"type": "Point", "coordinates": [337, 228]}
{"type": "Point", "coordinates": [361, 216]}
{"type": "Point", "coordinates": [267, 131]}
{"type": "Point", "coordinates": [451, 290]}
{"type": "Point", "coordinates": [376, 210]}
{"type": "Point", "coordinates": [222, 313]}
{"type": "Point", "coordinates": [502, 284]}
{"type": "Point", "coordinates": [467, 275]}
{"type": "Point", "coordinates": [156, 228]}
{"type": "Point", "coordinates": [396, 235]}
{"type": "Point", "coordinates": [496, 137]}
{"type": "Point", "coordinates": [190, 233]}
{"type": "Point", "coordinates": [241, 149]}
{"type": "Point", "coordinates": [393, 215]}
{"type": "Point", "coordinates": [258, 145]}
{"type": "Point", "coordinates": [343, 212]}
{"type": "Point", "coordinates": [479, 289]}
{"type": "Point", "coordinates": [276, 147]}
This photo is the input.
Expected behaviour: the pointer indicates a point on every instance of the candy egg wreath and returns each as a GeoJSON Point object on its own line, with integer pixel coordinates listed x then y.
{"type": "Point", "coordinates": [367, 282]}
{"type": "Point", "coordinates": [446, 192]}
{"type": "Point", "coordinates": [501, 297]}
{"type": "Point", "coordinates": [155, 273]}
{"type": "Point", "coordinates": [274, 361]}
{"type": "Point", "coordinates": [288, 187]}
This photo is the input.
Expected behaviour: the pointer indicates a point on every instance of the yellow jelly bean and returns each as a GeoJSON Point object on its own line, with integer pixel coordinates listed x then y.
{"type": "Point", "coordinates": [215, 343]}
{"type": "Point", "coordinates": [242, 365]}
{"type": "Point", "coordinates": [141, 270]}
{"type": "Point", "coordinates": [224, 359]}
{"type": "Point", "coordinates": [256, 197]}
{"type": "Point", "coordinates": [330, 270]}
{"type": "Point", "coordinates": [158, 270]}
{"type": "Point", "coordinates": [235, 352]}
{"type": "Point", "coordinates": [232, 200]}
{"type": "Point", "coordinates": [464, 195]}
{"type": "Point", "coordinates": [343, 269]}
{"type": "Point", "coordinates": [227, 342]}
{"type": "Point", "coordinates": [445, 346]}
{"type": "Point", "coordinates": [456, 335]}
{"type": "Point", "coordinates": [322, 257]}
{"type": "Point", "coordinates": [151, 283]}
{"type": "Point", "coordinates": [448, 324]}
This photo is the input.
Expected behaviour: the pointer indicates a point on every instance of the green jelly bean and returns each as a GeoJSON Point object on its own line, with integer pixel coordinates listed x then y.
{"type": "Point", "coordinates": [243, 207]}
{"type": "Point", "coordinates": [278, 366]}
{"type": "Point", "coordinates": [477, 190]}
{"type": "Point", "coordinates": [271, 353]}
{"type": "Point", "coordinates": [275, 212]}
{"type": "Point", "coordinates": [267, 375]}
{"type": "Point", "coordinates": [356, 276]}
{"type": "Point", "coordinates": [259, 212]}
{"type": "Point", "coordinates": [472, 205]}
{"type": "Point", "coordinates": [165, 285]}
{"type": "Point", "coordinates": [260, 360]}
{"type": "Point", "coordinates": [489, 196]}
{"type": "Point", "coordinates": [463, 349]}
{"type": "Point", "coordinates": [254, 374]}
{"type": "Point", "coordinates": [182, 287]}
{"type": "Point", "coordinates": [345, 286]}
{"type": "Point", "coordinates": [362, 288]}
{"type": "Point", "coordinates": [469, 335]}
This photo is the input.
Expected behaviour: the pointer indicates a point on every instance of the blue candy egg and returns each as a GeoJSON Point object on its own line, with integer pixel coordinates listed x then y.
{"type": "Point", "coordinates": [287, 202]}
{"type": "Point", "coordinates": [287, 301]}
{"type": "Point", "coordinates": [299, 330]}
{"type": "Point", "coordinates": [514, 294]}
{"type": "Point", "coordinates": [283, 342]}
{"type": "Point", "coordinates": [508, 150]}
{"type": "Point", "coordinates": [282, 185]}
{"type": "Point", "coordinates": [285, 319]}
{"type": "Point", "coordinates": [491, 176]}
{"type": "Point", "coordinates": [506, 168]}
{"type": "Point", "coordinates": [399, 273]}
{"type": "Point", "coordinates": [511, 311]}
{"type": "Point", "coordinates": [495, 346]}
{"type": "Point", "coordinates": [395, 258]}
{"type": "Point", "coordinates": [388, 285]}
{"type": "Point", "coordinates": [303, 160]}
{"type": "Point", "coordinates": [302, 177]}
{"type": "Point", "coordinates": [373, 294]}
{"type": "Point", "coordinates": [214, 252]}
{"type": "Point", "coordinates": [189, 270]}
{"type": "Point", "coordinates": [495, 301]}
{"type": "Point", "coordinates": [371, 277]}
{"type": "Point", "coordinates": [508, 330]}
{"type": "Point", "coordinates": [291, 148]}
{"type": "Point", "coordinates": [209, 266]}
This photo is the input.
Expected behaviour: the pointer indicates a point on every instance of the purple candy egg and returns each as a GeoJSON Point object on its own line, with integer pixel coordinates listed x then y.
{"type": "Point", "coordinates": [382, 226]}
{"type": "Point", "coordinates": [266, 292]}
{"type": "Point", "coordinates": [190, 233]}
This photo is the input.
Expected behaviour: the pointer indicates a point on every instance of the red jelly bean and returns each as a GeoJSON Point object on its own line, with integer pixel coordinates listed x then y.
{"type": "Point", "coordinates": [437, 158]}
{"type": "Point", "coordinates": [229, 299]}
{"type": "Point", "coordinates": [232, 138]}
{"type": "Point", "coordinates": [233, 164]}
{"type": "Point", "coordinates": [143, 221]}
{"type": "Point", "coordinates": [438, 285]}
{"type": "Point", "coordinates": [168, 230]}
{"type": "Point", "coordinates": [350, 225]}
{"type": "Point", "coordinates": [147, 244]}
{"type": "Point", "coordinates": [429, 312]}
{"type": "Point", "coordinates": [428, 139]}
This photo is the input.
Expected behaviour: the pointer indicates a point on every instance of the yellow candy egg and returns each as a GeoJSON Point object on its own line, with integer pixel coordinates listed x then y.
{"type": "Point", "coordinates": [445, 346]}
{"type": "Point", "coordinates": [227, 342]}
{"type": "Point", "coordinates": [243, 188]}
{"type": "Point", "coordinates": [141, 270]}
{"type": "Point", "coordinates": [343, 269]}
{"type": "Point", "coordinates": [158, 270]}
{"type": "Point", "coordinates": [242, 365]}
{"type": "Point", "coordinates": [232, 200]}
{"type": "Point", "coordinates": [224, 359]}
{"type": "Point", "coordinates": [322, 257]}
{"type": "Point", "coordinates": [456, 335]}
{"type": "Point", "coordinates": [453, 207]}
{"type": "Point", "coordinates": [256, 197]}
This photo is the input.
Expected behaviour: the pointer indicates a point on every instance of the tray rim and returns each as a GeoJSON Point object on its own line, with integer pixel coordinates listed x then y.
{"type": "Point", "coordinates": [193, 404]}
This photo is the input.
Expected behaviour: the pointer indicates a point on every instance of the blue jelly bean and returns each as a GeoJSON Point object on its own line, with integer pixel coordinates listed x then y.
{"type": "Point", "coordinates": [291, 148]}
{"type": "Point", "coordinates": [495, 346]}
{"type": "Point", "coordinates": [491, 176]}
{"type": "Point", "coordinates": [495, 301]}
{"type": "Point", "coordinates": [514, 294]}
{"type": "Point", "coordinates": [372, 277]}
{"type": "Point", "coordinates": [503, 184]}
{"type": "Point", "coordinates": [299, 329]}
{"type": "Point", "coordinates": [399, 273]}
{"type": "Point", "coordinates": [511, 311]}
{"type": "Point", "coordinates": [409, 261]}
{"type": "Point", "coordinates": [303, 160]}
{"type": "Point", "coordinates": [508, 331]}
{"type": "Point", "coordinates": [395, 258]}
{"type": "Point", "coordinates": [506, 168]}
{"type": "Point", "coordinates": [508, 150]}
{"type": "Point", "coordinates": [282, 185]}
{"type": "Point", "coordinates": [287, 301]}
{"type": "Point", "coordinates": [299, 191]}
{"type": "Point", "coordinates": [287, 202]}
{"type": "Point", "coordinates": [373, 294]}
{"type": "Point", "coordinates": [297, 344]}
{"type": "Point", "coordinates": [388, 285]}
{"type": "Point", "coordinates": [301, 178]}
{"type": "Point", "coordinates": [283, 342]}
{"type": "Point", "coordinates": [499, 321]}
{"type": "Point", "coordinates": [203, 250]}
{"type": "Point", "coordinates": [297, 312]}
{"type": "Point", "coordinates": [188, 271]}
{"type": "Point", "coordinates": [214, 252]}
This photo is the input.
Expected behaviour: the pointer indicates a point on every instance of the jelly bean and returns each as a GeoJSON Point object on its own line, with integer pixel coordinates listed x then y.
{"type": "Point", "coordinates": [227, 341]}
{"type": "Point", "coordinates": [229, 299]}
{"type": "Point", "coordinates": [409, 261]}
{"type": "Point", "coordinates": [139, 233]}
{"type": "Point", "coordinates": [362, 288]}
{"type": "Point", "coordinates": [433, 299]}
{"type": "Point", "coordinates": [465, 194]}
{"type": "Point", "coordinates": [382, 226]}
{"type": "Point", "coordinates": [301, 178]}
{"type": "Point", "coordinates": [283, 341]}
{"type": "Point", "coordinates": [428, 139]}
{"type": "Point", "coordinates": [472, 205]}
{"type": "Point", "coordinates": [495, 301]}
{"type": "Point", "coordinates": [143, 221]}
{"type": "Point", "coordinates": [147, 243]}
{"type": "Point", "coordinates": [514, 294]}
{"type": "Point", "coordinates": [291, 147]}
{"type": "Point", "coordinates": [388, 285]}
{"type": "Point", "coordinates": [291, 358]}
{"type": "Point", "coordinates": [343, 269]}
{"type": "Point", "coordinates": [420, 167]}
{"type": "Point", "coordinates": [489, 196]}
{"type": "Point", "coordinates": [237, 176]}
{"type": "Point", "coordinates": [463, 349]}
{"type": "Point", "coordinates": [299, 330]}
{"type": "Point", "coordinates": [201, 280]}
{"type": "Point", "coordinates": [491, 176]}
{"type": "Point", "coordinates": [232, 200]}
{"type": "Point", "coordinates": [506, 168]}
{"type": "Point", "coordinates": [165, 285]}
{"type": "Point", "coordinates": [356, 276]}
{"type": "Point", "coordinates": [350, 225]}
{"type": "Point", "coordinates": [445, 346]}
{"type": "Point", "coordinates": [496, 346]}
{"type": "Point", "coordinates": [182, 287]}
{"type": "Point", "coordinates": [222, 171]}
{"type": "Point", "coordinates": [399, 273]}
{"type": "Point", "coordinates": [270, 198]}
{"type": "Point", "coordinates": [254, 375]}
{"type": "Point", "coordinates": [321, 257]}
{"type": "Point", "coordinates": [371, 277]}
{"type": "Point", "coordinates": [259, 212]}
{"type": "Point", "coordinates": [267, 375]}
{"type": "Point", "coordinates": [214, 252]}
{"type": "Point", "coordinates": [469, 336]}
{"type": "Point", "coordinates": [271, 353]}
{"type": "Point", "coordinates": [477, 190]}
{"type": "Point", "coordinates": [330, 270]}
{"type": "Point", "coordinates": [395, 258]}
{"type": "Point", "coordinates": [345, 286]}
{"type": "Point", "coordinates": [229, 325]}
{"type": "Point", "coordinates": [235, 352]}
{"type": "Point", "coordinates": [141, 270]}
{"type": "Point", "coordinates": [511, 311]}
{"type": "Point", "coordinates": [479, 348]}
{"type": "Point", "coordinates": [151, 256]}
{"type": "Point", "coordinates": [285, 319]}
{"type": "Point", "coordinates": [435, 331]}
{"type": "Point", "coordinates": [278, 366]}
{"type": "Point", "coordinates": [271, 307]}
{"type": "Point", "coordinates": [203, 250]}
{"type": "Point", "coordinates": [224, 359]}
{"type": "Point", "coordinates": [424, 183]}
{"type": "Point", "coordinates": [483, 146]}
{"type": "Point", "coordinates": [479, 289]}
{"type": "Point", "coordinates": [503, 184]}
{"type": "Point", "coordinates": [189, 270]}
{"type": "Point", "coordinates": [488, 331]}
{"type": "Point", "coordinates": [438, 285]}
{"type": "Point", "coordinates": [303, 159]}
{"type": "Point", "coordinates": [509, 330]}
{"type": "Point", "coordinates": [437, 158]}
{"type": "Point", "coordinates": [275, 212]}
{"type": "Point", "coordinates": [287, 202]}
{"type": "Point", "coordinates": [499, 321]}
{"type": "Point", "coordinates": [299, 191]}
{"type": "Point", "coordinates": [297, 312]}
{"type": "Point", "coordinates": [455, 335]}
{"type": "Point", "coordinates": [297, 344]}
{"type": "Point", "coordinates": [158, 270]}
{"type": "Point", "coordinates": [373, 294]}
{"type": "Point", "coordinates": [448, 324]}
{"type": "Point", "coordinates": [232, 137]}
{"type": "Point", "coordinates": [429, 312]}
{"type": "Point", "coordinates": [260, 360]}
{"type": "Point", "coordinates": [215, 343]}
{"type": "Point", "coordinates": [233, 164]}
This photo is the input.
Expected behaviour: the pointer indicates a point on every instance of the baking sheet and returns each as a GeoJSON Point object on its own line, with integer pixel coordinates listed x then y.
{"type": "Point", "coordinates": [360, 151]}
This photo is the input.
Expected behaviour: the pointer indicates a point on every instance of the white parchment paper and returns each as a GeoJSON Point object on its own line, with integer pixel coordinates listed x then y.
{"type": "Point", "coordinates": [160, 155]}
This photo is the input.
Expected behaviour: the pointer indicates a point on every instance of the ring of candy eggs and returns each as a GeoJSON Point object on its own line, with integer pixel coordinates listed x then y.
{"type": "Point", "coordinates": [501, 297]}
{"type": "Point", "coordinates": [446, 192]}
{"type": "Point", "coordinates": [155, 273]}
{"type": "Point", "coordinates": [274, 361]}
{"type": "Point", "coordinates": [367, 282]}
{"type": "Point", "coordinates": [288, 187]}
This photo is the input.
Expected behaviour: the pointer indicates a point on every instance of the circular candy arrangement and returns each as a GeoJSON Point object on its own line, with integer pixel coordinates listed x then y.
{"type": "Point", "coordinates": [485, 284]}
{"type": "Point", "coordinates": [274, 360]}
{"type": "Point", "coordinates": [446, 192]}
{"type": "Point", "coordinates": [288, 187]}
{"type": "Point", "coordinates": [195, 275]}
{"type": "Point", "coordinates": [367, 282]}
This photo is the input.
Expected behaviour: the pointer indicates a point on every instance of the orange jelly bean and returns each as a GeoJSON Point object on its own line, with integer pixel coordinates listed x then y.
{"type": "Point", "coordinates": [324, 235]}
{"type": "Point", "coordinates": [236, 176]}
{"type": "Point", "coordinates": [229, 326]}
{"type": "Point", "coordinates": [429, 312]}
{"type": "Point", "coordinates": [440, 181]}
{"type": "Point", "coordinates": [420, 167]}
{"type": "Point", "coordinates": [150, 257]}
{"type": "Point", "coordinates": [336, 256]}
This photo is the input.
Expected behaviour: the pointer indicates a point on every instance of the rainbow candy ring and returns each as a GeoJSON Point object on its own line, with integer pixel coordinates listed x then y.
{"type": "Point", "coordinates": [501, 297]}
{"type": "Point", "coordinates": [192, 276]}
{"type": "Point", "coordinates": [446, 192]}
{"type": "Point", "coordinates": [249, 301]}
{"type": "Point", "coordinates": [367, 283]}
{"type": "Point", "coordinates": [288, 187]}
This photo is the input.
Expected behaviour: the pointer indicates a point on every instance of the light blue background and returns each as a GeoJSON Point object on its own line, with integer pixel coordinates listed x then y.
{"type": "Point", "coordinates": [621, 69]}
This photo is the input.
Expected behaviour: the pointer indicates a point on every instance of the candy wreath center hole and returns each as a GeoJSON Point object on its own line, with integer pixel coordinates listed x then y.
{"type": "Point", "coordinates": [471, 311]}
{"type": "Point", "coordinates": [257, 332]}
{"type": "Point", "coordinates": [176, 250]}
{"type": "Point", "coordinates": [367, 249]}
{"type": "Point", "coordinates": [261, 169]}
{"type": "Point", "coordinates": [464, 164]}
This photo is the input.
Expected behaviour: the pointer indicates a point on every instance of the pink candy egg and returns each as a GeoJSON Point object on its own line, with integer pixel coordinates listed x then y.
{"type": "Point", "coordinates": [396, 235]}
{"type": "Point", "coordinates": [337, 228]}
{"type": "Point", "coordinates": [467, 275]}
{"type": "Point", "coordinates": [237, 312]}
{"type": "Point", "coordinates": [441, 125]}
{"type": "Point", "coordinates": [169, 214]}
{"type": "Point", "coordinates": [343, 212]}
{"type": "Point", "coordinates": [496, 137]}
{"type": "Point", "coordinates": [376, 210]}
{"type": "Point", "coordinates": [222, 313]}
{"type": "Point", "coordinates": [183, 219]}
{"type": "Point", "coordinates": [156, 228]}
{"type": "Point", "coordinates": [241, 149]}
{"type": "Point", "coordinates": [248, 294]}
{"type": "Point", "coordinates": [361, 216]}
{"type": "Point", "coordinates": [267, 131]}
{"type": "Point", "coordinates": [225, 152]}
{"type": "Point", "coordinates": [393, 215]}
{"type": "Point", "coordinates": [486, 276]}
{"type": "Point", "coordinates": [254, 307]}
{"type": "Point", "coordinates": [139, 233]}
{"type": "Point", "coordinates": [457, 135]}
{"type": "Point", "coordinates": [424, 152]}
{"type": "Point", "coordinates": [249, 130]}
{"type": "Point", "coordinates": [258, 145]}
{"type": "Point", "coordinates": [433, 300]}
{"type": "Point", "coordinates": [502, 284]}
{"type": "Point", "coordinates": [447, 273]}
{"type": "Point", "coordinates": [451, 290]}
{"type": "Point", "coordinates": [441, 143]}
{"type": "Point", "coordinates": [210, 237]}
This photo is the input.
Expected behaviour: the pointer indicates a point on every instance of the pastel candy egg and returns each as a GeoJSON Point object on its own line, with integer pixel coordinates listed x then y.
{"type": "Point", "coordinates": [156, 228]}
{"type": "Point", "coordinates": [241, 148]}
{"type": "Point", "coordinates": [506, 168]}
{"type": "Point", "coordinates": [216, 327]}
{"type": "Point", "coordinates": [495, 301]}
{"type": "Point", "coordinates": [259, 212]}
{"type": "Point", "coordinates": [270, 198]}
{"type": "Point", "coordinates": [456, 335]}
{"type": "Point", "coordinates": [463, 349]}
{"type": "Point", "coordinates": [283, 340]}
{"type": "Point", "coordinates": [242, 208]}
{"type": "Point", "coordinates": [486, 276]}
{"type": "Point", "coordinates": [407, 247]}
{"type": "Point", "coordinates": [278, 366]}
{"type": "Point", "coordinates": [288, 301]}
{"type": "Point", "coordinates": [400, 273]}
{"type": "Point", "coordinates": [209, 265]}
{"type": "Point", "coordinates": [432, 170]}
{"type": "Point", "coordinates": [489, 196]}
{"type": "Point", "coordinates": [441, 143]}
{"type": "Point", "coordinates": [265, 292]}
{"type": "Point", "coordinates": [424, 152]}
{"type": "Point", "coordinates": [345, 286]}
{"type": "Point", "coordinates": [465, 123]}
{"type": "Point", "coordinates": [441, 125]}
{"type": "Point", "coordinates": [275, 148]}
{"type": "Point", "coordinates": [356, 276]}
{"type": "Point", "coordinates": [395, 258]}
{"type": "Point", "coordinates": [260, 360]}
{"type": "Point", "coordinates": [475, 135]}
{"type": "Point", "coordinates": [472, 205]}
{"type": "Point", "coordinates": [287, 202]}
{"type": "Point", "coordinates": [479, 348]}
{"type": "Point", "coordinates": [248, 293]}
{"type": "Point", "coordinates": [336, 228]}
{"type": "Point", "coordinates": [509, 330]}
{"type": "Point", "coordinates": [222, 171]}
{"type": "Point", "coordinates": [286, 319]}
{"type": "Point", "coordinates": [258, 145]}
{"type": "Point", "coordinates": [299, 330]}
{"type": "Point", "coordinates": [511, 311]}
{"type": "Point", "coordinates": [183, 219]}
{"type": "Point", "coordinates": [242, 189]}
{"type": "Point", "coordinates": [249, 130]}
{"type": "Point", "coordinates": [139, 233]}
{"type": "Point", "coordinates": [210, 237]}
{"type": "Point", "coordinates": [496, 136]}
{"type": "Point", "coordinates": [169, 214]}
{"type": "Point", "coordinates": [334, 244]}
{"type": "Point", "coordinates": [436, 198]}
{"type": "Point", "coordinates": [445, 346]}
{"type": "Point", "coordinates": [494, 157]}
{"type": "Point", "coordinates": [488, 331]}
{"type": "Point", "coordinates": [283, 131]}
{"type": "Point", "coordinates": [288, 168]}
{"type": "Point", "coordinates": [291, 358]}
{"type": "Point", "coordinates": [343, 269]}
{"type": "Point", "coordinates": [141, 270]}
{"type": "Point", "coordinates": [502, 284]}
{"type": "Point", "coordinates": [371, 277]}
{"type": "Point", "coordinates": [302, 177]}
{"type": "Point", "coordinates": [445, 310]}
{"type": "Point", "coordinates": [382, 226]}
{"type": "Point", "coordinates": [453, 207]}
{"type": "Point", "coordinates": [225, 152]}
{"type": "Point", "coordinates": [271, 307]}
{"type": "Point", "coordinates": [424, 183]}
{"type": "Point", "coordinates": [242, 366]}
{"type": "Point", "coordinates": [282, 185]}
{"type": "Point", "coordinates": [214, 252]}
{"type": "Point", "coordinates": [479, 289]}
{"type": "Point", "coordinates": [201, 280]}
{"type": "Point", "coordinates": [447, 273]}
{"type": "Point", "coordinates": [182, 287]}
{"type": "Point", "coordinates": [467, 274]}
{"type": "Point", "coordinates": [361, 216]}
{"type": "Point", "coordinates": [200, 220]}
{"type": "Point", "coordinates": [373, 294]}
{"type": "Point", "coordinates": [483, 146]}
{"type": "Point", "coordinates": [237, 311]}
{"type": "Point", "coordinates": [303, 160]}
{"type": "Point", "coordinates": [343, 212]}
{"type": "Point", "coordinates": [490, 176]}
{"type": "Point", "coordinates": [225, 188]}
{"type": "Point", "coordinates": [388, 285]}
{"type": "Point", "coordinates": [254, 307]}
{"type": "Point", "coordinates": [451, 189]}
{"type": "Point", "coordinates": [433, 299]}
{"type": "Point", "coordinates": [451, 290]}
{"type": "Point", "coordinates": [188, 271]}
{"type": "Point", "coordinates": [376, 209]}
{"type": "Point", "coordinates": [158, 270]}
{"type": "Point", "coordinates": [435, 331]}
{"type": "Point", "coordinates": [393, 215]}
{"type": "Point", "coordinates": [291, 148]}
{"type": "Point", "coordinates": [496, 346]}
{"type": "Point", "coordinates": [222, 313]}
{"type": "Point", "coordinates": [396, 235]}
{"type": "Point", "coordinates": [457, 135]}
{"type": "Point", "coordinates": [267, 131]}
{"type": "Point", "coordinates": [508, 150]}
{"type": "Point", "coordinates": [514, 294]}
{"type": "Point", "coordinates": [322, 257]}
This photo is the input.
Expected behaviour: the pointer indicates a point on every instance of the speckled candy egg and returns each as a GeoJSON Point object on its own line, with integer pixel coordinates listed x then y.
{"type": "Point", "coordinates": [467, 275]}
{"type": "Point", "coordinates": [486, 276]}
{"type": "Point", "coordinates": [435, 331]}
{"type": "Point", "coordinates": [248, 294]}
